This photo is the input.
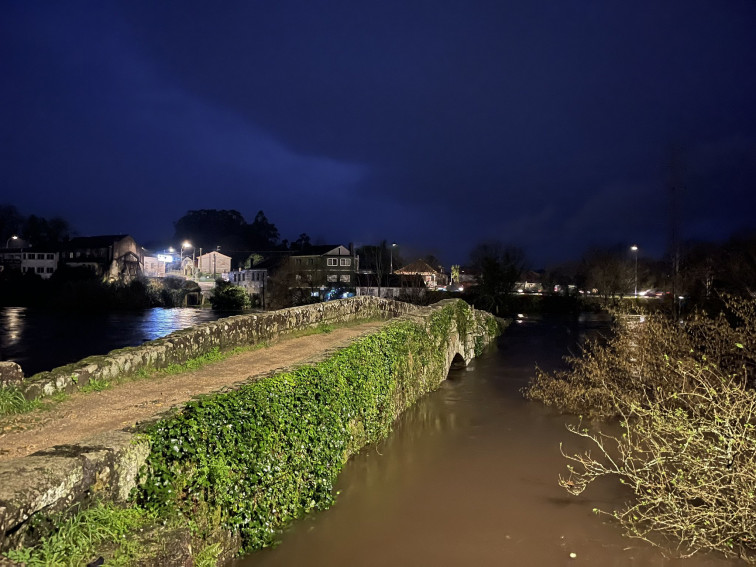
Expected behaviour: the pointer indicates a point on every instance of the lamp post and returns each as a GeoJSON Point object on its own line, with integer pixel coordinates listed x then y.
{"type": "Point", "coordinates": [393, 245]}
{"type": "Point", "coordinates": [14, 237]}
{"type": "Point", "coordinates": [634, 248]}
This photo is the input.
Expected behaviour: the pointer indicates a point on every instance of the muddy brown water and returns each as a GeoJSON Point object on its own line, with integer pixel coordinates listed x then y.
{"type": "Point", "coordinates": [469, 477]}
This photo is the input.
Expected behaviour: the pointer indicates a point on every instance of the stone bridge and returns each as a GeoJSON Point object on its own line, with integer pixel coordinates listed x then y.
{"type": "Point", "coordinates": [106, 466]}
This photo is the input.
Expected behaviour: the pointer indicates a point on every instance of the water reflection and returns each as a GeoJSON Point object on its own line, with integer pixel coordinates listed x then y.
{"type": "Point", "coordinates": [11, 325]}
{"type": "Point", "coordinates": [40, 340]}
{"type": "Point", "coordinates": [469, 478]}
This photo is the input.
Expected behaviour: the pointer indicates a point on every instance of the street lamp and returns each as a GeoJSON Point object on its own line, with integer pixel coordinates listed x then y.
{"type": "Point", "coordinates": [634, 248]}
{"type": "Point", "coordinates": [393, 245]}
{"type": "Point", "coordinates": [14, 237]}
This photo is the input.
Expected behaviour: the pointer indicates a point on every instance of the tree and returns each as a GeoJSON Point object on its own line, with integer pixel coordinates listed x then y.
{"type": "Point", "coordinates": [209, 228]}
{"type": "Point", "coordinates": [288, 287]}
{"type": "Point", "coordinates": [10, 222]}
{"type": "Point", "coordinates": [262, 234]}
{"type": "Point", "coordinates": [498, 267]}
{"type": "Point", "coordinates": [455, 273]}
{"type": "Point", "coordinates": [379, 259]}
{"type": "Point", "coordinates": [42, 232]}
{"type": "Point", "coordinates": [302, 243]}
{"type": "Point", "coordinates": [608, 270]}
{"type": "Point", "coordinates": [229, 297]}
{"type": "Point", "coordinates": [38, 231]}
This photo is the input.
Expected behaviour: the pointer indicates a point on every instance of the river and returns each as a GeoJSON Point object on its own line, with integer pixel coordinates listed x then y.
{"type": "Point", "coordinates": [41, 340]}
{"type": "Point", "coordinates": [469, 477]}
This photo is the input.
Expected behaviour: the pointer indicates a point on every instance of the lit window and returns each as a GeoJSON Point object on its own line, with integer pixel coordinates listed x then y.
{"type": "Point", "coordinates": [345, 278]}
{"type": "Point", "coordinates": [346, 261]}
{"type": "Point", "coordinates": [332, 278]}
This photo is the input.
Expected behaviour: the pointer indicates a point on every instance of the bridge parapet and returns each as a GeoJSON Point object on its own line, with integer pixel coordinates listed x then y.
{"type": "Point", "coordinates": [224, 334]}
{"type": "Point", "coordinates": [307, 423]}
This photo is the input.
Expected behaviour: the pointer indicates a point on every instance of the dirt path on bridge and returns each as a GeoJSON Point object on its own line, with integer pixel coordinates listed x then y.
{"type": "Point", "coordinates": [86, 414]}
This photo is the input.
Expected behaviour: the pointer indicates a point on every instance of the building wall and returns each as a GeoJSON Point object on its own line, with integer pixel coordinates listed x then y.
{"type": "Point", "coordinates": [44, 264]}
{"type": "Point", "coordinates": [214, 263]}
{"type": "Point", "coordinates": [153, 268]}
{"type": "Point", "coordinates": [251, 280]}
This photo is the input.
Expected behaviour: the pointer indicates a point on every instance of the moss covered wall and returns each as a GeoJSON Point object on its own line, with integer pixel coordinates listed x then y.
{"type": "Point", "coordinates": [258, 457]}
{"type": "Point", "coordinates": [240, 465]}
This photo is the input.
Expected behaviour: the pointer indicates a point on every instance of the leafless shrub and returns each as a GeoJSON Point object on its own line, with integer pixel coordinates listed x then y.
{"type": "Point", "coordinates": [687, 410]}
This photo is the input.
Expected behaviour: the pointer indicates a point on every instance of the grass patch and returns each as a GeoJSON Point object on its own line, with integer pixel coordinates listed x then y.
{"type": "Point", "coordinates": [79, 539]}
{"type": "Point", "coordinates": [12, 402]}
{"type": "Point", "coordinates": [59, 397]}
{"type": "Point", "coordinates": [95, 386]}
{"type": "Point", "coordinates": [215, 355]}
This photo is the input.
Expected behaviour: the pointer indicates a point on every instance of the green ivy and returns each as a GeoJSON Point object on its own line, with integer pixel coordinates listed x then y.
{"type": "Point", "coordinates": [270, 451]}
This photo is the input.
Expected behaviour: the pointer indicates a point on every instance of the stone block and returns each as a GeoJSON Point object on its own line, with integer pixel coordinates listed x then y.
{"type": "Point", "coordinates": [10, 374]}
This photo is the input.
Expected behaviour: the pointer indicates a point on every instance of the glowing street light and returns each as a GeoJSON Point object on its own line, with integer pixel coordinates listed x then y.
{"type": "Point", "coordinates": [634, 248]}
{"type": "Point", "coordinates": [14, 237]}
{"type": "Point", "coordinates": [393, 245]}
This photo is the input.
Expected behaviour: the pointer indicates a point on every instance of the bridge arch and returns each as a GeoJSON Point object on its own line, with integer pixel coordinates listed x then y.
{"type": "Point", "coordinates": [458, 362]}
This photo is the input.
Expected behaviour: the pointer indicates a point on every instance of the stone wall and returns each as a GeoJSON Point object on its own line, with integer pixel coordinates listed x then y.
{"type": "Point", "coordinates": [105, 467]}
{"type": "Point", "coordinates": [227, 333]}
{"type": "Point", "coordinates": [10, 374]}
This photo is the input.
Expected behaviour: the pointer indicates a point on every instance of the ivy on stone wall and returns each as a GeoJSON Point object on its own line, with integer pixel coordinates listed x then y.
{"type": "Point", "coordinates": [269, 452]}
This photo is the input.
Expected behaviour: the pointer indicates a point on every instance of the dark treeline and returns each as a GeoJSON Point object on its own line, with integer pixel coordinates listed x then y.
{"type": "Point", "coordinates": [227, 230]}
{"type": "Point", "coordinates": [42, 232]}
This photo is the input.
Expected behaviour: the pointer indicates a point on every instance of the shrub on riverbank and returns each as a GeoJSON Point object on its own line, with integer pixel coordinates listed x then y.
{"type": "Point", "coordinates": [229, 297]}
{"type": "Point", "coordinates": [684, 395]}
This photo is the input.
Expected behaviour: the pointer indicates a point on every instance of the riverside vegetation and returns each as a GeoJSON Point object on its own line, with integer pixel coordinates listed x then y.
{"type": "Point", "coordinates": [683, 394]}
{"type": "Point", "coordinates": [240, 465]}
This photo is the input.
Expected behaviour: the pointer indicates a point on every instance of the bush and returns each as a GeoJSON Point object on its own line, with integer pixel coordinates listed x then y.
{"type": "Point", "coordinates": [683, 393]}
{"type": "Point", "coordinates": [229, 297]}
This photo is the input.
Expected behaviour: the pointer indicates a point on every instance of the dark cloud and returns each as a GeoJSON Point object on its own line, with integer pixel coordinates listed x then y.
{"type": "Point", "coordinates": [435, 124]}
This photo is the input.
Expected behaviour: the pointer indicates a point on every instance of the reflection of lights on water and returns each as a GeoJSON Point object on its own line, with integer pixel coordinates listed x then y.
{"type": "Point", "coordinates": [12, 325]}
{"type": "Point", "coordinates": [161, 322]}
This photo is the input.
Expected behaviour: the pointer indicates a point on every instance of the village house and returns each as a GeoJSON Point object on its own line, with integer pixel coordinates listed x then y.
{"type": "Point", "coordinates": [111, 257]}
{"type": "Point", "coordinates": [433, 278]}
{"type": "Point", "coordinates": [324, 267]}
{"type": "Point", "coordinates": [28, 260]}
{"type": "Point", "coordinates": [214, 263]}
{"type": "Point", "coordinates": [393, 286]}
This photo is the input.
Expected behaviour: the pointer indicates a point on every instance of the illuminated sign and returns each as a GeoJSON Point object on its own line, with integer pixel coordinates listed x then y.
{"type": "Point", "coordinates": [165, 258]}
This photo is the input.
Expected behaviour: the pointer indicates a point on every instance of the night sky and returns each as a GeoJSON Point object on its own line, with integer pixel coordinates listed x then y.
{"type": "Point", "coordinates": [436, 124]}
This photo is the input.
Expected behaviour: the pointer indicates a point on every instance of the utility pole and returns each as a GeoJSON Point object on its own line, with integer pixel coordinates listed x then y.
{"type": "Point", "coordinates": [675, 183]}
